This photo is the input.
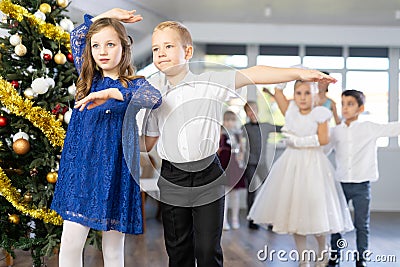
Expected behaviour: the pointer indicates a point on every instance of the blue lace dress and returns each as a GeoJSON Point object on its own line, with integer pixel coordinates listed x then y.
{"type": "Point", "coordinates": [96, 187]}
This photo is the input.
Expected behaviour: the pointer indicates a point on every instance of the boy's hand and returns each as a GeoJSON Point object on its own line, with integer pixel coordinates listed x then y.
{"type": "Point", "coordinates": [98, 98]}
{"type": "Point", "coordinates": [315, 76]}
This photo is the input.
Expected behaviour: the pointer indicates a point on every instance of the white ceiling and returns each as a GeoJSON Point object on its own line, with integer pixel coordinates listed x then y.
{"type": "Point", "coordinates": [292, 12]}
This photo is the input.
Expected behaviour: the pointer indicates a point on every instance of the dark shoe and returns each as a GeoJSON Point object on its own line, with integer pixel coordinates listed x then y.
{"type": "Point", "coordinates": [361, 263]}
{"type": "Point", "coordinates": [333, 263]}
{"type": "Point", "coordinates": [253, 225]}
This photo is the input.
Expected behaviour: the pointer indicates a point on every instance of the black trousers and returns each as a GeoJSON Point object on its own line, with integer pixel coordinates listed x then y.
{"type": "Point", "coordinates": [192, 206]}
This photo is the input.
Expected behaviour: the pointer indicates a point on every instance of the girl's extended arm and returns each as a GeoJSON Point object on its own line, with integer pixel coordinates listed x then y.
{"type": "Point", "coordinates": [280, 99]}
{"type": "Point", "coordinates": [98, 98]}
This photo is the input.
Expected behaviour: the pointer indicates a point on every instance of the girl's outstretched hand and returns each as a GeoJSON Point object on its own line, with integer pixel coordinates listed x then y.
{"type": "Point", "coordinates": [127, 16]}
{"type": "Point", "coordinates": [98, 98]}
{"type": "Point", "coordinates": [315, 76]}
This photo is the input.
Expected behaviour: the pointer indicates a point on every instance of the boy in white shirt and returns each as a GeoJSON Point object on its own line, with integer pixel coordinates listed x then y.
{"type": "Point", "coordinates": [187, 128]}
{"type": "Point", "coordinates": [355, 148]}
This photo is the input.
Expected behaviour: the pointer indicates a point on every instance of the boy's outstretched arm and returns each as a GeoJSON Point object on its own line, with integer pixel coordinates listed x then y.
{"type": "Point", "coordinates": [270, 75]}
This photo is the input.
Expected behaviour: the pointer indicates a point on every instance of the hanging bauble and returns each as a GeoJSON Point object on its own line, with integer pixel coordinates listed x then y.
{"type": "Point", "coordinates": [45, 8]}
{"type": "Point", "coordinates": [15, 39]}
{"type": "Point", "coordinates": [40, 15]}
{"type": "Point", "coordinates": [20, 50]}
{"type": "Point", "coordinates": [21, 146]}
{"type": "Point", "coordinates": [28, 93]}
{"type": "Point", "coordinates": [33, 172]}
{"type": "Point", "coordinates": [50, 82]}
{"type": "Point", "coordinates": [70, 58]}
{"type": "Point", "coordinates": [51, 177]}
{"type": "Point", "coordinates": [67, 24]}
{"type": "Point", "coordinates": [3, 121]}
{"type": "Point", "coordinates": [40, 86]}
{"type": "Point", "coordinates": [60, 117]}
{"type": "Point", "coordinates": [13, 218]}
{"type": "Point", "coordinates": [15, 84]}
{"type": "Point", "coordinates": [72, 90]}
{"type": "Point", "coordinates": [47, 52]}
{"type": "Point", "coordinates": [67, 116]}
{"type": "Point", "coordinates": [28, 197]}
{"type": "Point", "coordinates": [60, 58]}
{"type": "Point", "coordinates": [20, 135]}
{"type": "Point", "coordinates": [62, 3]}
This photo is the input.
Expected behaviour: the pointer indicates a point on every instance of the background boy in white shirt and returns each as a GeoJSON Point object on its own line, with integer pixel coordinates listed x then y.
{"type": "Point", "coordinates": [355, 148]}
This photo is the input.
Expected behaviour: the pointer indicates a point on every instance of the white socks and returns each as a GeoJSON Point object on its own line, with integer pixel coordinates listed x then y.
{"type": "Point", "coordinates": [73, 240]}
{"type": "Point", "coordinates": [232, 199]}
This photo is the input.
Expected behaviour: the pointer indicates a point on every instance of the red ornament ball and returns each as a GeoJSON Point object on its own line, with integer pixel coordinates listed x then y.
{"type": "Point", "coordinates": [15, 84]}
{"type": "Point", "coordinates": [70, 58]}
{"type": "Point", "coordinates": [3, 121]}
{"type": "Point", "coordinates": [47, 57]}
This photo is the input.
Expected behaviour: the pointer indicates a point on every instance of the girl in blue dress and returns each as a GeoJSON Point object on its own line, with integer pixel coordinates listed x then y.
{"type": "Point", "coordinates": [96, 187]}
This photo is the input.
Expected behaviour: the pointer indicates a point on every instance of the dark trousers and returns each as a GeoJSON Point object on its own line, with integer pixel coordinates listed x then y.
{"type": "Point", "coordinates": [192, 213]}
{"type": "Point", "coordinates": [250, 172]}
{"type": "Point", "coordinates": [360, 194]}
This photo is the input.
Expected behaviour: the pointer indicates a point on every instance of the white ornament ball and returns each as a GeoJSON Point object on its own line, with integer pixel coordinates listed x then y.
{"type": "Point", "coordinates": [40, 86]}
{"type": "Point", "coordinates": [50, 82]}
{"type": "Point", "coordinates": [28, 93]}
{"type": "Point", "coordinates": [67, 24]}
{"type": "Point", "coordinates": [15, 39]}
{"type": "Point", "coordinates": [20, 135]}
{"type": "Point", "coordinates": [67, 116]}
{"type": "Point", "coordinates": [20, 50]}
{"type": "Point", "coordinates": [72, 90]}
{"type": "Point", "coordinates": [46, 51]}
{"type": "Point", "coordinates": [40, 15]}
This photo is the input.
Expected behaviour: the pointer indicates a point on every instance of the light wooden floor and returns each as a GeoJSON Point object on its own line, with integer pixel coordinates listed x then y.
{"type": "Point", "coordinates": [240, 246]}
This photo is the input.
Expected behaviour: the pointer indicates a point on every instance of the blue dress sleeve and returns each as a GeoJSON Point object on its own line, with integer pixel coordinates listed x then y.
{"type": "Point", "coordinates": [78, 41]}
{"type": "Point", "coordinates": [145, 95]}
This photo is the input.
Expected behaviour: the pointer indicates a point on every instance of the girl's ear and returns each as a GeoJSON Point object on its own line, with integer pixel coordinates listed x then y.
{"type": "Point", "coordinates": [189, 52]}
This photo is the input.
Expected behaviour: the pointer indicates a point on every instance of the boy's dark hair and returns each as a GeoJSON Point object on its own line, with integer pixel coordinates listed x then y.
{"type": "Point", "coordinates": [358, 95]}
{"type": "Point", "coordinates": [250, 103]}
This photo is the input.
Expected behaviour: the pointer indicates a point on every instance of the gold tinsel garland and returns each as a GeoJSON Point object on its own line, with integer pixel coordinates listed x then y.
{"type": "Point", "coordinates": [39, 117]}
{"type": "Point", "coordinates": [12, 195]}
{"type": "Point", "coordinates": [47, 29]}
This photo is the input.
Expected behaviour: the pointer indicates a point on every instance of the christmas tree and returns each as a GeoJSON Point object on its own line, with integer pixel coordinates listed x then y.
{"type": "Point", "coordinates": [37, 88]}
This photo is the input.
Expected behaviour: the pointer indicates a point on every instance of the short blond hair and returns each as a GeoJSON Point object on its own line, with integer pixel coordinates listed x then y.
{"type": "Point", "coordinates": [183, 32]}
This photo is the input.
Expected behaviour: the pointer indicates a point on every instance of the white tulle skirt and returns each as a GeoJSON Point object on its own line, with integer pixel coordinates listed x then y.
{"type": "Point", "coordinates": [301, 196]}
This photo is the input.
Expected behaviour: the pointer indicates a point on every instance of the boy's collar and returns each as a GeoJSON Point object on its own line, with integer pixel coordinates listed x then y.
{"type": "Point", "coordinates": [189, 80]}
{"type": "Point", "coordinates": [351, 123]}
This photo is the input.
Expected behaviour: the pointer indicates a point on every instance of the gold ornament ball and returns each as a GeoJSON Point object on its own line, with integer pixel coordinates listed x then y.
{"type": "Point", "coordinates": [60, 58]}
{"type": "Point", "coordinates": [62, 3]}
{"type": "Point", "coordinates": [14, 218]}
{"type": "Point", "coordinates": [20, 50]}
{"type": "Point", "coordinates": [28, 197]}
{"type": "Point", "coordinates": [52, 177]}
{"type": "Point", "coordinates": [45, 8]}
{"type": "Point", "coordinates": [60, 117]}
{"type": "Point", "coordinates": [21, 146]}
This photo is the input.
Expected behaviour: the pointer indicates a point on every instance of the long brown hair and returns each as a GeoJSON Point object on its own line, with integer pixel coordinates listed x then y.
{"type": "Point", "coordinates": [126, 72]}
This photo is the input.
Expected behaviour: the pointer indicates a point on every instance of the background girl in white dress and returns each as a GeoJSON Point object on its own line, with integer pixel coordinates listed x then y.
{"type": "Point", "coordinates": [300, 196]}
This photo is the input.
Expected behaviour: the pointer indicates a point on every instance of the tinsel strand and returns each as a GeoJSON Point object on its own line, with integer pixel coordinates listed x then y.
{"type": "Point", "coordinates": [39, 117]}
{"type": "Point", "coordinates": [13, 196]}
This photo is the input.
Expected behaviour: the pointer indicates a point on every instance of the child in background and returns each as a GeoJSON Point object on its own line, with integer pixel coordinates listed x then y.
{"type": "Point", "coordinates": [300, 196]}
{"type": "Point", "coordinates": [325, 101]}
{"type": "Point", "coordinates": [256, 136]}
{"type": "Point", "coordinates": [355, 148]}
{"type": "Point", "coordinates": [231, 158]}
{"type": "Point", "coordinates": [95, 188]}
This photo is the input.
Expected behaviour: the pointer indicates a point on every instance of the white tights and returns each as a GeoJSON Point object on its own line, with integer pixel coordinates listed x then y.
{"type": "Point", "coordinates": [232, 197]}
{"type": "Point", "coordinates": [301, 244]}
{"type": "Point", "coordinates": [73, 240]}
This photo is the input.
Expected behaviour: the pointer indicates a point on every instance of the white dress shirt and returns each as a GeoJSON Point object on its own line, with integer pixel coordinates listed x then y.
{"type": "Point", "coordinates": [356, 149]}
{"type": "Point", "coordinates": [188, 121]}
